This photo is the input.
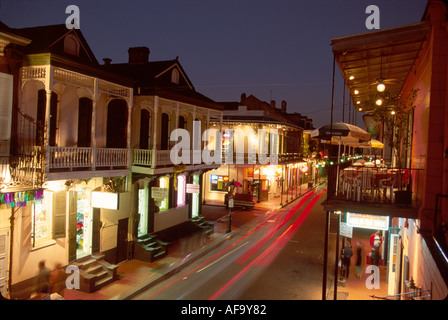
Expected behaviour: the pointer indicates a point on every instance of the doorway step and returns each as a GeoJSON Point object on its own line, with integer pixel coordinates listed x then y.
{"type": "Point", "coordinates": [95, 272]}
{"type": "Point", "coordinates": [150, 248]}
{"type": "Point", "coordinates": [207, 227]}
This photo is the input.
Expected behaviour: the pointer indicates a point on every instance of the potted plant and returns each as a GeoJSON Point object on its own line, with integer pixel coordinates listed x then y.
{"type": "Point", "coordinates": [394, 114]}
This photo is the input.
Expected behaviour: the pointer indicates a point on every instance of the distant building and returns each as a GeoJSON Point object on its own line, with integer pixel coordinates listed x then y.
{"type": "Point", "coordinates": [411, 57]}
{"type": "Point", "coordinates": [284, 137]}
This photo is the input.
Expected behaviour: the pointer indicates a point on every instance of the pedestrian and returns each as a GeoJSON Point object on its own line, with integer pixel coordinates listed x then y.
{"type": "Point", "coordinates": [375, 257]}
{"type": "Point", "coordinates": [347, 254]}
{"type": "Point", "coordinates": [376, 240]}
{"type": "Point", "coordinates": [42, 285]}
{"type": "Point", "coordinates": [358, 259]}
{"type": "Point", "coordinates": [57, 280]}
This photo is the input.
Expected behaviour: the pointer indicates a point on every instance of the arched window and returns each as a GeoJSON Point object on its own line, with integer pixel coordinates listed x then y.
{"type": "Point", "coordinates": [181, 190]}
{"type": "Point", "coordinates": [182, 123]}
{"type": "Point", "coordinates": [84, 122]}
{"type": "Point", "coordinates": [41, 107]}
{"type": "Point", "coordinates": [71, 45]}
{"type": "Point", "coordinates": [145, 117]}
{"type": "Point", "coordinates": [117, 124]}
{"type": "Point", "coordinates": [165, 132]}
{"type": "Point", "coordinates": [175, 76]}
{"type": "Point", "coordinates": [164, 182]}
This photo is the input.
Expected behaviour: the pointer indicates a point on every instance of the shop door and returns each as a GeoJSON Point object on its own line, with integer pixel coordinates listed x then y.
{"type": "Point", "coordinates": [96, 229]}
{"type": "Point", "coordinates": [4, 241]}
{"type": "Point", "coordinates": [264, 190]}
{"type": "Point", "coordinates": [122, 240]}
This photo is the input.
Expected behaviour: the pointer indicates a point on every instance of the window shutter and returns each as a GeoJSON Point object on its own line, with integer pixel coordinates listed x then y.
{"type": "Point", "coordinates": [72, 219]}
{"type": "Point", "coordinates": [6, 88]}
{"type": "Point", "coordinates": [59, 214]}
{"type": "Point", "coordinates": [4, 240]}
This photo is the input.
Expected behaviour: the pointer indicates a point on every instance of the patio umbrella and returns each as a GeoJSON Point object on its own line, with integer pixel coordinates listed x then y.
{"type": "Point", "coordinates": [341, 133]}
{"type": "Point", "coordinates": [373, 143]}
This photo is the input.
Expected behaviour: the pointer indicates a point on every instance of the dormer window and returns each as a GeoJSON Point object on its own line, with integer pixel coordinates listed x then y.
{"type": "Point", "coordinates": [175, 76]}
{"type": "Point", "coordinates": [71, 45]}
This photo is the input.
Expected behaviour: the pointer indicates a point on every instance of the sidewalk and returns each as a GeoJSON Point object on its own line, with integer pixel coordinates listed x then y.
{"type": "Point", "coordinates": [135, 275]}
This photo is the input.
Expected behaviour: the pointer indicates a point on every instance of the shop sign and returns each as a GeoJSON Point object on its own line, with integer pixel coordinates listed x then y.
{"type": "Point", "coordinates": [159, 194]}
{"type": "Point", "coordinates": [367, 221]}
{"type": "Point", "coordinates": [105, 200]}
{"type": "Point", "coordinates": [345, 230]}
{"type": "Point", "coordinates": [192, 188]}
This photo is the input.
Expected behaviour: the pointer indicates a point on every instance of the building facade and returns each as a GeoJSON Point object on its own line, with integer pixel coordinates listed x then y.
{"type": "Point", "coordinates": [69, 144]}
{"type": "Point", "coordinates": [411, 58]}
{"type": "Point", "coordinates": [262, 152]}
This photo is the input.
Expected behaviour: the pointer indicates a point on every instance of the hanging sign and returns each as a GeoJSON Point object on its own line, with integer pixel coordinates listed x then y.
{"type": "Point", "coordinates": [345, 230]}
{"type": "Point", "coordinates": [192, 188]}
{"type": "Point", "coordinates": [159, 194]}
{"type": "Point", "coordinates": [105, 200]}
{"type": "Point", "coordinates": [367, 221]}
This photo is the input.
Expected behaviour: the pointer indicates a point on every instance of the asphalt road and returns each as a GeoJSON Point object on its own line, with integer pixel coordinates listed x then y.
{"type": "Point", "coordinates": [278, 255]}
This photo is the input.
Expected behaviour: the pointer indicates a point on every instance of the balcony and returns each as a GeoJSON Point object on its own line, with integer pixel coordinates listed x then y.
{"type": "Point", "coordinates": [161, 158]}
{"type": "Point", "coordinates": [22, 170]}
{"type": "Point", "coordinates": [74, 162]}
{"type": "Point", "coordinates": [374, 190]}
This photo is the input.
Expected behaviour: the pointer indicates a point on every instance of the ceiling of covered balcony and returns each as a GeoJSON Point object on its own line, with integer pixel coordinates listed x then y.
{"type": "Point", "coordinates": [388, 54]}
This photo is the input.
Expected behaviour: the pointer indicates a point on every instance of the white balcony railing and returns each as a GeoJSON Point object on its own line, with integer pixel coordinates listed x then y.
{"type": "Point", "coordinates": [151, 158]}
{"type": "Point", "coordinates": [74, 157]}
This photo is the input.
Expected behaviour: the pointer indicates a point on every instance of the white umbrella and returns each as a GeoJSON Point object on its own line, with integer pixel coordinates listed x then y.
{"type": "Point", "coordinates": [341, 133]}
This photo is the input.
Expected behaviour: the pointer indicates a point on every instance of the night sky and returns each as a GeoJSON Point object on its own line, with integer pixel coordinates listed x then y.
{"type": "Point", "coordinates": [273, 49]}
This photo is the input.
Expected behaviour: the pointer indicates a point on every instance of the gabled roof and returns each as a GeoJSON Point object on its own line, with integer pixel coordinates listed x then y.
{"type": "Point", "coordinates": [8, 34]}
{"type": "Point", "coordinates": [154, 78]}
{"type": "Point", "coordinates": [50, 39]}
{"type": "Point", "coordinates": [151, 73]}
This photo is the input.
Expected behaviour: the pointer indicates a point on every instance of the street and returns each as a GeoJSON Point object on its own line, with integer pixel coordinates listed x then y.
{"type": "Point", "coordinates": [277, 256]}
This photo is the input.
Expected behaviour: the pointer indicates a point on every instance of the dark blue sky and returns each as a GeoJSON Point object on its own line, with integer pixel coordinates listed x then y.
{"type": "Point", "coordinates": [277, 49]}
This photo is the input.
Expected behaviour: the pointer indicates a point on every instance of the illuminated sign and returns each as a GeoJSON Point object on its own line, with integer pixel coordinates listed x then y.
{"type": "Point", "coordinates": [105, 200]}
{"type": "Point", "coordinates": [367, 221]}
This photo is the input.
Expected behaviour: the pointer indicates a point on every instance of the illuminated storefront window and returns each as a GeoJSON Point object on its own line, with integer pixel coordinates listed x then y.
{"type": "Point", "coordinates": [40, 220]}
{"type": "Point", "coordinates": [219, 183]}
{"type": "Point", "coordinates": [181, 190]}
{"type": "Point", "coordinates": [195, 199]}
{"type": "Point", "coordinates": [164, 183]}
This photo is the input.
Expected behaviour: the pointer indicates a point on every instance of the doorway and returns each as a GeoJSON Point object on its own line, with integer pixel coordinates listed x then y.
{"type": "Point", "coordinates": [83, 225]}
{"type": "Point", "coordinates": [122, 240]}
{"type": "Point", "coordinates": [117, 124]}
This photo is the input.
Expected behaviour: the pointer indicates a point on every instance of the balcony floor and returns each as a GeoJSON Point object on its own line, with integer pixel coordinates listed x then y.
{"type": "Point", "coordinates": [380, 209]}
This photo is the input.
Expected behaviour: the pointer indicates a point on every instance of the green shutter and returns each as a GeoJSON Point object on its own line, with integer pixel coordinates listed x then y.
{"type": "Point", "coordinates": [59, 214]}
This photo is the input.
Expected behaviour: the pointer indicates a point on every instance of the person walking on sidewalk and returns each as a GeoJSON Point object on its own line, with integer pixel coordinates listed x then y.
{"type": "Point", "coordinates": [358, 259]}
{"type": "Point", "coordinates": [347, 254]}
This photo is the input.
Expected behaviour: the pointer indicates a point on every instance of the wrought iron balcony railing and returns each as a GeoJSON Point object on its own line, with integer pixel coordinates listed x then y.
{"type": "Point", "coordinates": [379, 185]}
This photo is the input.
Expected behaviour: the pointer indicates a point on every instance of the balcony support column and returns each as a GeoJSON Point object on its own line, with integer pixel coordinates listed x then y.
{"type": "Point", "coordinates": [93, 129]}
{"type": "Point", "coordinates": [48, 89]}
{"type": "Point", "coordinates": [154, 134]}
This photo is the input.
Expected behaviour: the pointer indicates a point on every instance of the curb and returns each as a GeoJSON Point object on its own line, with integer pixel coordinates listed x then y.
{"type": "Point", "coordinates": [195, 256]}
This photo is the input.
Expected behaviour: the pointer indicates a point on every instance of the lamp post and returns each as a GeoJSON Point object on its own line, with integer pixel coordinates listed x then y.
{"type": "Point", "coordinates": [229, 221]}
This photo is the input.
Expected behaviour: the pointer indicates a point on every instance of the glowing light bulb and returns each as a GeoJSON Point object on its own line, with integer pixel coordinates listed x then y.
{"type": "Point", "coordinates": [379, 102]}
{"type": "Point", "coordinates": [380, 86]}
